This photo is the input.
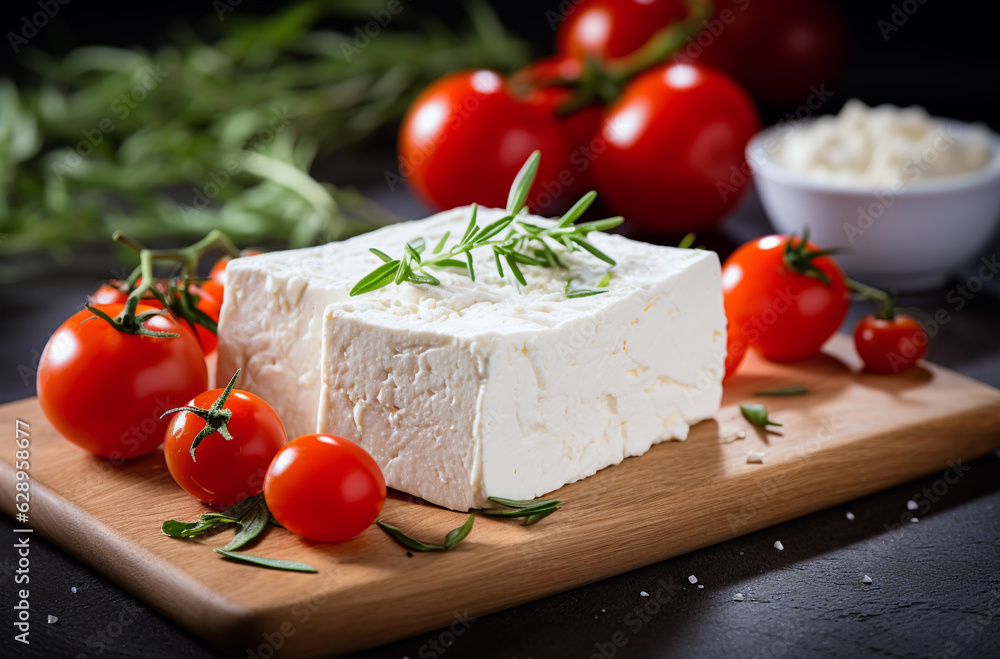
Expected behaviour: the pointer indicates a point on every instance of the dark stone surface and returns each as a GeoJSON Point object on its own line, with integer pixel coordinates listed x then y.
{"type": "Point", "coordinates": [935, 587]}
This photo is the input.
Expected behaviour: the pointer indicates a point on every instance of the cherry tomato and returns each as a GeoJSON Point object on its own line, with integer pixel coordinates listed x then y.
{"type": "Point", "coordinates": [782, 51]}
{"type": "Point", "coordinates": [674, 148]}
{"type": "Point", "coordinates": [465, 138]}
{"type": "Point", "coordinates": [105, 390]}
{"type": "Point", "coordinates": [612, 29]}
{"type": "Point", "coordinates": [890, 346]}
{"type": "Point", "coordinates": [324, 488]}
{"type": "Point", "coordinates": [785, 315]}
{"type": "Point", "coordinates": [224, 471]}
{"type": "Point", "coordinates": [534, 85]}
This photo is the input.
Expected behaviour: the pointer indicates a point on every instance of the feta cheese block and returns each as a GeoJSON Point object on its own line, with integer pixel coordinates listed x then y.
{"type": "Point", "coordinates": [473, 389]}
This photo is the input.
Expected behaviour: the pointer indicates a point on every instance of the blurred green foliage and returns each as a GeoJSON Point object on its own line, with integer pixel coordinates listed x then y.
{"type": "Point", "coordinates": [200, 135]}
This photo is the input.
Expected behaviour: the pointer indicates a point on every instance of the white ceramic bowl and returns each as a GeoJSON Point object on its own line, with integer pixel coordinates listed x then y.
{"type": "Point", "coordinates": [909, 239]}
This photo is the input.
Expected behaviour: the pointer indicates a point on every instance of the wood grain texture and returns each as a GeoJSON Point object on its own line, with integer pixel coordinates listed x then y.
{"type": "Point", "coordinates": [852, 435]}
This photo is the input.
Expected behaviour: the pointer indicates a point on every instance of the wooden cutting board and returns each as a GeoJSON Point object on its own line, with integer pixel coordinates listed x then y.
{"type": "Point", "coordinates": [852, 435]}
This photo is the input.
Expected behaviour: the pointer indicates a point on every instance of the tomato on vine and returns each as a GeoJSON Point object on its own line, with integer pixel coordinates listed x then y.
{"type": "Point", "coordinates": [611, 29]}
{"type": "Point", "coordinates": [890, 345]}
{"type": "Point", "coordinates": [218, 446]}
{"type": "Point", "coordinates": [324, 488]}
{"type": "Point", "coordinates": [784, 296]}
{"type": "Point", "coordinates": [466, 135]}
{"type": "Point", "coordinates": [675, 139]}
{"type": "Point", "coordinates": [106, 375]}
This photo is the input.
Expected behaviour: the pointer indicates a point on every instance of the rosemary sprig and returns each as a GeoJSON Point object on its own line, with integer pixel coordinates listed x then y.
{"type": "Point", "coordinates": [524, 243]}
{"type": "Point", "coordinates": [252, 516]}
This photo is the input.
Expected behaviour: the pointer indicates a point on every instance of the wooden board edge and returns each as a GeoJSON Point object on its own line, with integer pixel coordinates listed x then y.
{"type": "Point", "coordinates": [132, 567]}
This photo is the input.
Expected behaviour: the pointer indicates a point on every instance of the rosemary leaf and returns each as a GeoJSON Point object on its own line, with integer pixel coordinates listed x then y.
{"type": "Point", "coordinates": [519, 512]}
{"type": "Point", "coordinates": [793, 390]}
{"type": "Point", "coordinates": [756, 414]}
{"type": "Point", "coordinates": [379, 253]}
{"type": "Point", "coordinates": [522, 184]}
{"type": "Point", "coordinates": [441, 243]}
{"type": "Point", "coordinates": [524, 503]}
{"type": "Point", "coordinates": [273, 563]}
{"type": "Point", "coordinates": [251, 524]}
{"type": "Point", "coordinates": [531, 519]}
{"type": "Point", "coordinates": [381, 276]}
{"type": "Point", "coordinates": [512, 264]}
{"type": "Point", "coordinates": [578, 209]}
{"type": "Point", "coordinates": [593, 250]}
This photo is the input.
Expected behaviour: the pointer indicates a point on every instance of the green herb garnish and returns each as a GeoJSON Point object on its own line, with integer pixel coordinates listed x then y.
{"type": "Point", "coordinates": [531, 510]}
{"type": "Point", "coordinates": [273, 563]}
{"type": "Point", "coordinates": [451, 540]}
{"type": "Point", "coordinates": [793, 390]}
{"type": "Point", "coordinates": [756, 414]}
{"type": "Point", "coordinates": [252, 516]}
{"type": "Point", "coordinates": [514, 243]}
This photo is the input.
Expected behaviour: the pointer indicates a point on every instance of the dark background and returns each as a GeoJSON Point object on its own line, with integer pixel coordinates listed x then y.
{"type": "Point", "coordinates": [943, 57]}
{"type": "Point", "coordinates": [936, 584]}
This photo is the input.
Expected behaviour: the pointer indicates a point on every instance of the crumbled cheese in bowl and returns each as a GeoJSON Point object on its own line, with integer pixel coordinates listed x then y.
{"type": "Point", "coordinates": [883, 146]}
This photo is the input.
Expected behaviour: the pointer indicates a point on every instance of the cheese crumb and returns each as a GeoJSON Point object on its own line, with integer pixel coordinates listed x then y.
{"type": "Point", "coordinates": [738, 597]}
{"type": "Point", "coordinates": [732, 437]}
{"type": "Point", "coordinates": [866, 579]}
{"type": "Point", "coordinates": [756, 457]}
{"type": "Point", "coordinates": [779, 546]}
{"type": "Point", "coordinates": [912, 505]}
{"type": "Point", "coordinates": [644, 593]}
{"type": "Point", "coordinates": [73, 590]}
{"type": "Point", "coordinates": [692, 579]}
{"type": "Point", "coordinates": [53, 620]}
{"type": "Point", "coordinates": [701, 585]}
{"type": "Point", "coordinates": [850, 516]}
{"type": "Point", "coordinates": [914, 520]}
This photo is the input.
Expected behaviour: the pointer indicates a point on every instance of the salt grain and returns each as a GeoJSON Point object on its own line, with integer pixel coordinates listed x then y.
{"type": "Point", "coordinates": [738, 597]}
{"type": "Point", "coordinates": [53, 620]}
{"type": "Point", "coordinates": [779, 546]}
{"type": "Point", "coordinates": [644, 594]}
{"type": "Point", "coordinates": [914, 520]}
{"type": "Point", "coordinates": [73, 590]}
{"type": "Point", "coordinates": [756, 457]}
{"type": "Point", "coordinates": [850, 516]}
{"type": "Point", "coordinates": [912, 505]}
{"type": "Point", "coordinates": [692, 579]}
{"type": "Point", "coordinates": [866, 579]}
{"type": "Point", "coordinates": [701, 585]}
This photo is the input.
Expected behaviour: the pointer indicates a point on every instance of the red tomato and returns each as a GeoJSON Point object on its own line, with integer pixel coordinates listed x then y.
{"type": "Point", "coordinates": [465, 138]}
{"type": "Point", "coordinates": [324, 488]}
{"type": "Point", "coordinates": [210, 306]}
{"type": "Point", "coordinates": [224, 472]}
{"type": "Point", "coordinates": [783, 51]}
{"type": "Point", "coordinates": [216, 283]}
{"type": "Point", "coordinates": [785, 315]}
{"type": "Point", "coordinates": [674, 148]}
{"type": "Point", "coordinates": [890, 346]}
{"type": "Point", "coordinates": [105, 390]}
{"type": "Point", "coordinates": [736, 347]}
{"type": "Point", "coordinates": [611, 29]}
{"type": "Point", "coordinates": [579, 128]}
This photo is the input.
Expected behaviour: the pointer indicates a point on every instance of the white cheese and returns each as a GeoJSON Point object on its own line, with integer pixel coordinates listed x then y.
{"type": "Point", "coordinates": [882, 146]}
{"type": "Point", "coordinates": [474, 389]}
